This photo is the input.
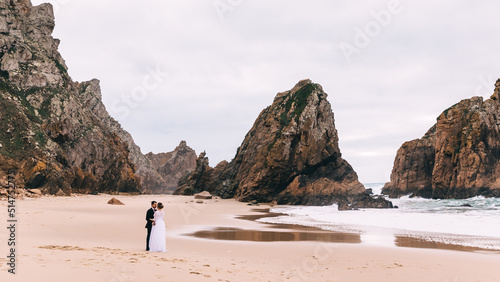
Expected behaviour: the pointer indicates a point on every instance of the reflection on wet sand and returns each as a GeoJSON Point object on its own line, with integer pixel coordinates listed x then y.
{"type": "Point", "coordinates": [299, 233]}
{"type": "Point", "coordinates": [412, 242]}
{"type": "Point", "coordinates": [305, 233]}
{"type": "Point", "coordinates": [266, 214]}
{"type": "Point", "coordinates": [229, 233]}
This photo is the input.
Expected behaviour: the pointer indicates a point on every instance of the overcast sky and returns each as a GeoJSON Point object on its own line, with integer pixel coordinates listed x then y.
{"type": "Point", "coordinates": [202, 70]}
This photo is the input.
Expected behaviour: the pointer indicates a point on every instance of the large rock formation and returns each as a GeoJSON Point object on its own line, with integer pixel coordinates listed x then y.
{"type": "Point", "coordinates": [151, 181]}
{"type": "Point", "coordinates": [55, 134]}
{"type": "Point", "coordinates": [291, 155]}
{"type": "Point", "coordinates": [205, 178]}
{"type": "Point", "coordinates": [459, 157]}
{"type": "Point", "coordinates": [173, 165]}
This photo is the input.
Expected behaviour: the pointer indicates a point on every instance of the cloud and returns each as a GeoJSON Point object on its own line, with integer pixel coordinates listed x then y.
{"type": "Point", "coordinates": [223, 72]}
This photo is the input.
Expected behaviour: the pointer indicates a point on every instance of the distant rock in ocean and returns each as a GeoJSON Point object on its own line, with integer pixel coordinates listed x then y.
{"type": "Point", "coordinates": [291, 156]}
{"type": "Point", "coordinates": [55, 134]}
{"type": "Point", "coordinates": [459, 157]}
{"type": "Point", "coordinates": [173, 165]}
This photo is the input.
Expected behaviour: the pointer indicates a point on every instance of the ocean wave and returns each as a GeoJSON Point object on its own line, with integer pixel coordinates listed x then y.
{"type": "Point", "coordinates": [476, 217]}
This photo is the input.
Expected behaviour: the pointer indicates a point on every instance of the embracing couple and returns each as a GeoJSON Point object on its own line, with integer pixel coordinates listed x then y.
{"type": "Point", "coordinates": [155, 241]}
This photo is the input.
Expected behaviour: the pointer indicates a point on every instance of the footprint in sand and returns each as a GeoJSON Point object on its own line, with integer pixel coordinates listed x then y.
{"type": "Point", "coordinates": [62, 248]}
{"type": "Point", "coordinates": [194, 272]}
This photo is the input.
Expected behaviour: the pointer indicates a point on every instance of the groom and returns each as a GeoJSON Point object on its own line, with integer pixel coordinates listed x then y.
{"type": "Point", "coordinates": [150, 214]}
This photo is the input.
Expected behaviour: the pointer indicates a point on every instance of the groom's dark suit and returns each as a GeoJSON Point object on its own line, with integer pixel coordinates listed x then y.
{"type": "Point", "coordinates": [149, 225]}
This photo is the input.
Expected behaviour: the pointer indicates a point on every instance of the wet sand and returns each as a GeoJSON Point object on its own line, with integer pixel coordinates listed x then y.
{"type": "Point", "coordinates": [307, 233]}
{"type": "Point", "coordinates": [230, 233]}
{"type": "Point", "coordinates": [84, 239]}
{"type": "Point", "coordinates": [412, 242]}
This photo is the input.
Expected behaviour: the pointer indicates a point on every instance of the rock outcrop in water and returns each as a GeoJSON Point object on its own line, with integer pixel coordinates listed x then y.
{"type": "Point", "coordinates": [55, 134]}
{"type": "Point", "coordinates": [459, 157]}
{"type": "Point", "coordinates": [173, 165]}
{"type": "Point", "coordinates": [291, 155]}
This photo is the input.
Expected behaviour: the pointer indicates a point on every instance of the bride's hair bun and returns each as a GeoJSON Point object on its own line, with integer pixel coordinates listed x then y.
{"type": "Point", "coordinates": [160, 206]}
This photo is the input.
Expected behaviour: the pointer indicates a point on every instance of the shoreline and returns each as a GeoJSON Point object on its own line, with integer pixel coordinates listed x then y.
{"type": "Point", "coordinates": [84, 238]}
{"type": "Point", "coordinates": [298, 232]}
{"type": "Point", "coordinates": [375, 224]}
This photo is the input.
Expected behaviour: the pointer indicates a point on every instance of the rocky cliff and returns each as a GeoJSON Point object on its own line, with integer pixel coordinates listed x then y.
{"type": "Point", "coordinates": [291, 155]}
{"type": "Point", "coordinates": [55, 134]}
{"type": "Point", "coordinates": [204, 178]}
{"type": "Point", "coordinates": [151, 180]}
{"type": "Point", "coordinates": [459, 157]}
{"type": "Point", "coordinates": [173, 165]}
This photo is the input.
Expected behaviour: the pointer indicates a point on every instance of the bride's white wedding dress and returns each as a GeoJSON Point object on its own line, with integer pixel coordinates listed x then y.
{"type": "Point", "coordinates": [158, 234]}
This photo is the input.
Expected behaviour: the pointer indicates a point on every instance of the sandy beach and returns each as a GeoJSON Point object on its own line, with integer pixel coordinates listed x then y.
{"type": "Point", "coordinates": [82, 238]}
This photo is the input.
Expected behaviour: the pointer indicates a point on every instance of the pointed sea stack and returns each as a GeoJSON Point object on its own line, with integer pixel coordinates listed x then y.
{"type": "Point", "coordinates": [291, 155]}
{"type": "Point", "coordinates": [459, 157]}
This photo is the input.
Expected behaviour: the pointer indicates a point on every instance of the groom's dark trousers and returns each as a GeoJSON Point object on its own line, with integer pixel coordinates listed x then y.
{"type": "Point", "coordinates": [149, 225]}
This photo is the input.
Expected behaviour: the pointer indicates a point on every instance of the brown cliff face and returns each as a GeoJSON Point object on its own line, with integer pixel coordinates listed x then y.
{"type": "Point", "coordinates": [173, 165]}
{"type": "Point", "coordinates": [204, 178]}
{"type": "Point", "coordinates": [413, 166]}
{"type": "Point", "coordinates": [291, 155]}
{"type": "Point", "coordinates": [458, 158]}
{"type": "Point", "coordinates": [199, 178]}
{"type": "Point", "coordinates": [55, 134]}
{"type": "Point", "coordinates": [151, 181]}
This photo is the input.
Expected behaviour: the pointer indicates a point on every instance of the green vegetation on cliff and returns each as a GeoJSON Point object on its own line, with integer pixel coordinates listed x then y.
{"type": "Point", "coordinates": [299, 100]}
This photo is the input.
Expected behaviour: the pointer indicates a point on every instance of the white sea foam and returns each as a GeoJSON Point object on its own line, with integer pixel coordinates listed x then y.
{"type": "Point", "coordinates": [445, 221]}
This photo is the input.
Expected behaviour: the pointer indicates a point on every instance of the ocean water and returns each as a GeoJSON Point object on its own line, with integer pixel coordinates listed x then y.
{"type": "Point", "coordinates": [439, 221]}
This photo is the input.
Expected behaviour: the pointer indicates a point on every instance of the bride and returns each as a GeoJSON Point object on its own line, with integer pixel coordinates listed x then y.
{"type": "Point", "coordinates": [158, 232]}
